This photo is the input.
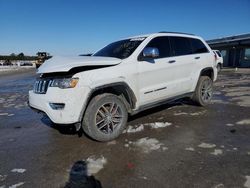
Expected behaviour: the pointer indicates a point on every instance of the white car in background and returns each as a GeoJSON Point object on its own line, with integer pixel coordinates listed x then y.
{"type": "Point", "coordinates": [219, 60]}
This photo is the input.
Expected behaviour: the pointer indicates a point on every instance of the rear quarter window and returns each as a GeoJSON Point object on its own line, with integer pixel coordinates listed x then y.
{"type": "Point", "coordinates": [218, 53]}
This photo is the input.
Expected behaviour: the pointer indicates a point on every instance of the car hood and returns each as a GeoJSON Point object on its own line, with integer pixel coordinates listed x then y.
{"type": "Point", "coordinates": [65, 64]}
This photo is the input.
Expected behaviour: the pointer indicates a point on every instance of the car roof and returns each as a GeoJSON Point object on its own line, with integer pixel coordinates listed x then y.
{"type": "Point", "coordinates": [164, 33]}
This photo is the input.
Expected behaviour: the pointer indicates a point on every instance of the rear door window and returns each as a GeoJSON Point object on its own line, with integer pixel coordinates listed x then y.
{"type": "Point", "coordinates": [180, 46]}
{"type": "Point", "coordinates": [198, 46]}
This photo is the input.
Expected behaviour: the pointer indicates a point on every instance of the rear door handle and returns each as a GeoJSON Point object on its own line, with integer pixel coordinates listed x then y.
{"type": "Point", "coordinates": [171, 61]}
{"type": "Point", "coordinates": [197, 57]}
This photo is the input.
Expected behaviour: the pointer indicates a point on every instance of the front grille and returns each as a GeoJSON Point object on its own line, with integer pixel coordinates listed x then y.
{"type": "Point", "coordinates": [41, 86]}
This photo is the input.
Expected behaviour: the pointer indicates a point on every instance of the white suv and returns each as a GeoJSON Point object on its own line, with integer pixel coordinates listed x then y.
{"type": "Point", "coordinates": [98, 92]}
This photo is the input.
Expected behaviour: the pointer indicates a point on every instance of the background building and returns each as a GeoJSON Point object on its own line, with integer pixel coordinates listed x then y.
{"type": "Point", "coordinates": [234, 49]}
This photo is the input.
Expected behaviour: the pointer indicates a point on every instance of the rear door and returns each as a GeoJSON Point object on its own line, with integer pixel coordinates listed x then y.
{"type": "Point", "coordinates": [184, 64]}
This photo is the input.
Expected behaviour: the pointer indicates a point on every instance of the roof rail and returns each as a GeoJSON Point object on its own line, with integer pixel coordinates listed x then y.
{"type": "Point", "coordinates": [175, 32]}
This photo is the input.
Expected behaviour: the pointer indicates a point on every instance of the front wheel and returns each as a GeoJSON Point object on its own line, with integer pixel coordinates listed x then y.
{"type": "Point", "coordinates": [204, 91]}
{"type": "Point", "coordinates": [105, 117]}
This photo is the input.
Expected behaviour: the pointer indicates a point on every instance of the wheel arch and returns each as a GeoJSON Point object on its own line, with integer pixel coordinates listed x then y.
{"type": "Point", "coordinates": [207, 72]}
{"type": "Point", "coordinates": [120, 89]}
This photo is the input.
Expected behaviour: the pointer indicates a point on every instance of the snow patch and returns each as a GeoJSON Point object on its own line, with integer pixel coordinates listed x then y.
{"type": "Point", "coordinates": [247, 183]}
{"type": "Point", "coordinates": [18, 170]}
{"type": "Point", "coordinates": [148, 144]}
{"type": "Point", "coordinates": [190, 149]}
{"type": "Point", "coordinates": [16, 185]}
{"type": "Point", "coordinates": [197, 113]}
{"type": "Point", "coordinates": [94, 164]}
{"type": "Point", "coordinates": [164, 148]}
{"type": "Point", "coordinates": [229, 124]}
{"type": "Point", "coordinates": [217, 152]}
{"type": "Point", "coordinates": [206, 145]}
{"type": "Point", "coordinates": [132, 129]}
{"type": "Point", "coordinates": [139, 128]}
{"type": "Point", "coordinates": [3, 114]}
{"type": "Point", "coordinates": [248, 153]}
{"type": "Point", "coordinates": [157, 125]}
{"type": "Point", "coordinates": [219, 186]}
{"type": "Point", "coordinates": [244, 122]}
{"type": "Point", "coordinates": [111, 142]}
{"type": "Point", "coordinates": [2, 177]}
{"type": "Point", "coordinates": [180, 113]}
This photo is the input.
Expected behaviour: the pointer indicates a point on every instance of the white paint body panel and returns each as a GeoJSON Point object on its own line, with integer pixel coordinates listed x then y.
{"type": "Point", "coordinates": [141, 76]}
{"type": "Point", "coordinates": [64, 64]}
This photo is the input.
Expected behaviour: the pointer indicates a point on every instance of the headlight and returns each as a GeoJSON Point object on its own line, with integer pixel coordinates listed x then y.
{"type": "Point", "coordinates": [64, 83]}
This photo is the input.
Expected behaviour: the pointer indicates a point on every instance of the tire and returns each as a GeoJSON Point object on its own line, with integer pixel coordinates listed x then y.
{"type": "Point", "coordinates": [204, 91]}
{"type": "Point", "coordinates": [105, 117]}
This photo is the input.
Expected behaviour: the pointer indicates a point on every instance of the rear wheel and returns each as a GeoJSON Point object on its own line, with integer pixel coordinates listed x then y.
{"type": "Point", "coordinates": [204, 91]}
{"type": "Point", "coordinates": [105, 117]}
{"type": "Point", "coordinates": [219, 67]}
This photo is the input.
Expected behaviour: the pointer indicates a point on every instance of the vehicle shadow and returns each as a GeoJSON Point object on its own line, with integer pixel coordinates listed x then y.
{"type": "Point", "coordinates": [71, 130]}
{"type": "Point", "coordinates": [180, 102]}
{"type": "Point", "coordinates": [78, 177]}
{"type": "Point", "coordinates": [68, 129]}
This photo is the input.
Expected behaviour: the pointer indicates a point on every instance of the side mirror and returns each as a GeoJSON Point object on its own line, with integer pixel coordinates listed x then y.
{"type": "Point", "coordinates": [150, 52]}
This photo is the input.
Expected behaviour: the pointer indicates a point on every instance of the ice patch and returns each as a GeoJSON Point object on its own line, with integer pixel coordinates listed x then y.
{"type": "Point", "coordinates": [132, 129]}
{"type": "Point", "coordinates": [244, 122]}
{"type": "Point", "coordinates": [190, 149]}
{"type": "Point", "coordinates": [206, 145]}
{"type": "Point", "coordinates": [18, 170]}
{"type": "Point", "coordinates": [247, 183]}
{"type": "Point", "coordinates": [217, 152]}
{"type": "Point", "coordinates": [94, 164]}
{"type": "Point", "coordinates": [148, 144]}
{"type": "Point", "coordinates": [16, 185]}
{"type": "Point", "coordinates": [157, 125]}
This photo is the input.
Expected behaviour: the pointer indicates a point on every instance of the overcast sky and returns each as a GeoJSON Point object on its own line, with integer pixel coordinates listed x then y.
{"type": "Point", "coordinates": [72, 27]}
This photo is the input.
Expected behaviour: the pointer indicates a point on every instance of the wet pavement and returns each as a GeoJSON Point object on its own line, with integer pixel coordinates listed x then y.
{"type": "Point", "coordinates": [176, 145]}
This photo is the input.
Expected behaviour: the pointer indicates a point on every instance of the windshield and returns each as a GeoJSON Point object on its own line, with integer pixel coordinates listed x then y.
{"type": "Point", "coordinates": [120, 49]}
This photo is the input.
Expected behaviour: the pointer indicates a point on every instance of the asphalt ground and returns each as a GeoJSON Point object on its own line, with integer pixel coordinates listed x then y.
{"type": "Point", "coordinates": [175, 145]}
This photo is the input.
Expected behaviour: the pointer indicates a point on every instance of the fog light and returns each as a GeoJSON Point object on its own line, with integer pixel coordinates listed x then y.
{"type": "Point", "coordinates": [57, 106]}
